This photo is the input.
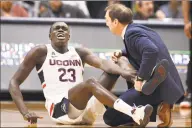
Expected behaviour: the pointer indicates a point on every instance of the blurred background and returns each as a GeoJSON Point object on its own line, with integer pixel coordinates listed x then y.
{"type": "Point", "coordinates": [25, 24]}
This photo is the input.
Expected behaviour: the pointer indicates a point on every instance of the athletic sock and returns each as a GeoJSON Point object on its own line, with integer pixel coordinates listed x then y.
{"type": "Point", "coordinates": [123, 107]}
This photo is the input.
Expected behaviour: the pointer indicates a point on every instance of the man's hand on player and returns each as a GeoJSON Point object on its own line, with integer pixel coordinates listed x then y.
{"type": "Point", "coordinates": [187, 30]}
{"type": "Point", "coordinates": [31, 117]}
{"type": "Point", "coordinates": [138, 85]}
{"type": "Point", "coordinates": [116, 55]}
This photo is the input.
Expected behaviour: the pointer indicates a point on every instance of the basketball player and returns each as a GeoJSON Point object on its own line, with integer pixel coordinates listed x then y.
{"type": "Point", "coordinates": [60, 69]}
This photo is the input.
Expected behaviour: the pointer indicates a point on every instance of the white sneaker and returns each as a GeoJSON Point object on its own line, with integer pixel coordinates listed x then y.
{"type": "Point", "coordinates": [141, 114]}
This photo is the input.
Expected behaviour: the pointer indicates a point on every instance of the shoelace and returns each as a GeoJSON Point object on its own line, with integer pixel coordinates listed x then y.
{"type": "Point", "coordinates": [134, 108]}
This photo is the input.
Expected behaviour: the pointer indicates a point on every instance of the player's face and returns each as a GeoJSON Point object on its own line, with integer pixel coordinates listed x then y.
{"type": "Point", "coordinates": [60, 34]}
{"type": "Point", "coordinates": [111, 24]}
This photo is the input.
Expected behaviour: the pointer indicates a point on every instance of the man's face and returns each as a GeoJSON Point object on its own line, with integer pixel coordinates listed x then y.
{"type": "Point", "coordinates": [59, 34]}
{"type": "Point", "coordinates": [147, 8]}
{"type": "Point", "coordinates": [111, 24]}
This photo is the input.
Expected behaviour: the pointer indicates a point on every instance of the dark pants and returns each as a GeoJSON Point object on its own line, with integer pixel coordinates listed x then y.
{"type": "Point", "coordinates": [188, 81]}
{"type": "Point", "coordinates": [113, 117]}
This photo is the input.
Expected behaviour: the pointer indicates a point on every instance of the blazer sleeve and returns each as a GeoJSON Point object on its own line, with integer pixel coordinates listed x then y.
{"type": "Point", "coordinates": [148, 51]}
{"type": "Point", "coordinates": [124, 52]}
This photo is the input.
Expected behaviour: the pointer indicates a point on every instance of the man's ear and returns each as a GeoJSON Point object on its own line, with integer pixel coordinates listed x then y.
{"type": "Point", "coordinates": [116, 21]}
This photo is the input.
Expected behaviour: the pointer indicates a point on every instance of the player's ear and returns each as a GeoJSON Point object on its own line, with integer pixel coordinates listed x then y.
{"type": "Point", "coordinates": [50, 36]}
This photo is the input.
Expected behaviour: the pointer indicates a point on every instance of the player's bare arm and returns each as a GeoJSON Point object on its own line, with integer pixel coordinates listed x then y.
{"type": "Point", "coordinates": [33, 58]}
{"type": "Point", "coordinates": [106, 65]}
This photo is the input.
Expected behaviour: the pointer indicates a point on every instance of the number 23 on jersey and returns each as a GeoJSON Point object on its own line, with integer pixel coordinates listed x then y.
{"type": "Point", "coordinates": [65, 73]}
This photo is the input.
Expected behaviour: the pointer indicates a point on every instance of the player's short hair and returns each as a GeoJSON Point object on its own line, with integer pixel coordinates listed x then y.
{"type": "Point", "coordinates": [50, 29]}
{"type": "Point", "coordinates": [120, 12]}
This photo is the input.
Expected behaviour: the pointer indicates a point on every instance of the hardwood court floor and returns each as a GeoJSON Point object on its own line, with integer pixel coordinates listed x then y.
{"type": "Point", "coordinates": [10, 117]}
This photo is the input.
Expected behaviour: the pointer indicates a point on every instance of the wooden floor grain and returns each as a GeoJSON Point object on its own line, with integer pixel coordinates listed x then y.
{"type": "Point", "coordinates": [10, 117]}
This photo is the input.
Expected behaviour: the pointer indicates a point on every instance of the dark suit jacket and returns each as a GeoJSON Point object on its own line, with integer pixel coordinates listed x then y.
{"type": "Point", "coordinates": [144, 48]}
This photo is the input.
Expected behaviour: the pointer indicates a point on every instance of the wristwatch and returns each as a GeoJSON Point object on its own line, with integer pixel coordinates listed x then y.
{"type": "Point", "coordinates": [139, 79]}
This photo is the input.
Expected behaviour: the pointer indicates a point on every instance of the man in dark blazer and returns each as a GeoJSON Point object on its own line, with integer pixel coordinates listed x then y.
{"type": "Point", "coordinates": [144, 48]}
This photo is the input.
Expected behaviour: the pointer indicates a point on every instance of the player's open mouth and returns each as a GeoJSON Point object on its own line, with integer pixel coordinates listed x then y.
{"type": "Point", "coordinates": [60, 35]}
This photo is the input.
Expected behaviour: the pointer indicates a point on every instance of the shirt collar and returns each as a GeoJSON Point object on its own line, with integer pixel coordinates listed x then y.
{"type": "Point", "coordinates": [123, 32]}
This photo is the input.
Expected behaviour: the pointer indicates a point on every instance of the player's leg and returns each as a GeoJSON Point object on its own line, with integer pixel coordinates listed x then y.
{"type": "Point", "coordinates": [76, 116]}
{"type": "Point", "coordinates": [108, 80]}
{"type": "Point", "coordinates": [80, 94]}
{"type": "Point", "coordinates": [95, 107]}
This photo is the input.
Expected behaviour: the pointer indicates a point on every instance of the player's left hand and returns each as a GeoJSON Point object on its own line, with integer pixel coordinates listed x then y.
{"type": "Point", "coordinates": [138, 85]}
{"type": "Point", "coordinates": [31, 117]}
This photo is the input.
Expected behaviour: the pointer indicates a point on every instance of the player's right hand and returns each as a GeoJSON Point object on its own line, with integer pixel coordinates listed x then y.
{"type": "Point", "coordinates": [31, 117]}
{"type": "Point", "coordinates": [116, 55]}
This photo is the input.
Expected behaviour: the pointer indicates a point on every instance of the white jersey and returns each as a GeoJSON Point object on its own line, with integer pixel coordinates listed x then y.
{"type": "Point", "coordinates": [59, 73]}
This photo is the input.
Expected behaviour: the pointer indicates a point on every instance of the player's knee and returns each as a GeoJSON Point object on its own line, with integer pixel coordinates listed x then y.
{"type": "Point", "coordinates": [91, 82]}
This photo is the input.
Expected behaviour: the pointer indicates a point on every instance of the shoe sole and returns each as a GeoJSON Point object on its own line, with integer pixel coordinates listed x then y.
{"type": "Point", "coordinates": [162, 119]}
{"type": "Point", "coordinates": [158, 76]}
{"type": "Point", "coordinates": [148, 111]}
